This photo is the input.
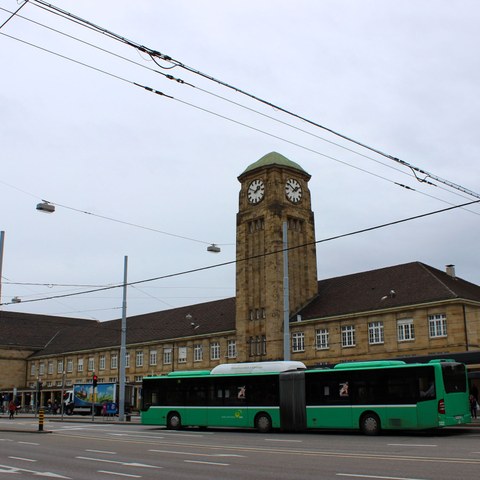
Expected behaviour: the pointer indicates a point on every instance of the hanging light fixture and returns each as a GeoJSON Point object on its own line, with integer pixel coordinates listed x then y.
{"type": "Point", "coordinates": [213, 248]}
{"type": "Point", "coordinates": [45, 207]}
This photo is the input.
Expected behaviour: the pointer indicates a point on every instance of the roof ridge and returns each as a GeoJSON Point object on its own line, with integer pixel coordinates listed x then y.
{"type": "Point", "coordinates": [428, 269]}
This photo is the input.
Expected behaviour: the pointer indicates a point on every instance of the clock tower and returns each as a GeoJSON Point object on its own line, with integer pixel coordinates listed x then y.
{"type": "Point", "coordinates": [274, 191]}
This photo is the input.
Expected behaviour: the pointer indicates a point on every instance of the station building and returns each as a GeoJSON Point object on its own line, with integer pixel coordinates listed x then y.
{"type": "Point", "coordinates": [411, 311]}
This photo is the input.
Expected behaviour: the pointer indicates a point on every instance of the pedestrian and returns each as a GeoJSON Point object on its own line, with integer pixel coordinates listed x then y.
{"type": "Point", "coordinates": [473, 406]}
{"type": "Point", "coordinates": [12, 408]}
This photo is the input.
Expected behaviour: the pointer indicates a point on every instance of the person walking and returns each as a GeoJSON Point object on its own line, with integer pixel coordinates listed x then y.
{"type": "Point", "coordinates": [12, 408]}
{"type": "Point", "coordinates": [473, 406]}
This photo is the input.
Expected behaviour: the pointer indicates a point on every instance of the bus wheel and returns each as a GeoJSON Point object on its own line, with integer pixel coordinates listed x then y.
{"type": "Point", "coordinates": [263, 423]}
{"type": "Point", "coordinates": [174, 422]}
{"type": "Point", "coordinates": [370, 424]}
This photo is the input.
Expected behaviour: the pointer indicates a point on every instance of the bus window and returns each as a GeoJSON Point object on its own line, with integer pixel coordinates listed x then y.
{"type": "Point", "coordinates": [454, 377]}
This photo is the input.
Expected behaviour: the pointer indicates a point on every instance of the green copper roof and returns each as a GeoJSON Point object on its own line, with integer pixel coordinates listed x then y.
{"type": "Point", "coordinates": [273, 158]}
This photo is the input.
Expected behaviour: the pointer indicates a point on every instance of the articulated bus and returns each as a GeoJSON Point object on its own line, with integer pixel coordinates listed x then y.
{"type": "Point", "coordinates": [369, 396]}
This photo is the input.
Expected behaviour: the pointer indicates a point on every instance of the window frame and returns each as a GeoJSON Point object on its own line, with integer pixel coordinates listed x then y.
{"type": "Point", "coordinates": [348, 336]}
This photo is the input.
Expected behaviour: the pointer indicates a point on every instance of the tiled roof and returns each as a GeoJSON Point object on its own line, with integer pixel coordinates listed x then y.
{"type": "Point", "coordinates": [34, 331]}
{"type": "Point", "coordinates": [207, 318]}
{"type": "Point", "coordinates": [390, 287]}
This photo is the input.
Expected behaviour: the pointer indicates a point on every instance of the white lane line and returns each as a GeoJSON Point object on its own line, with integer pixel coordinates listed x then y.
{"type": "Point", "coordinates": [10, 469]}
{"type": "Point", "coordinates": [24, 459]}
{"type": "Point", "coordinates": [282, 440]}
{"type": "Point", "coordinates": [208, 463]}
{"type": "Point", "coordinates": [29, 443]}
{"type": "Point", "coordinates": [101, 451]}
{"type": "Point", "coordinates": [151, 437]}
{"type": "Point", "coordinates": [126, 464]}
{"type": "Point", "coordinates": [119, 474]}
{"type": "Point", "coordinates": [198, 454]}
{"type": "Point", "coordinates": [376, 477]}
{"type": "Point", "coordinates": [411, 445]}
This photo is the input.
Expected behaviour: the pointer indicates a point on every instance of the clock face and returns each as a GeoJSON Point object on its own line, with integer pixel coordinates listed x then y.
{"type": "Point", "coordinates": [256, 191]}
{"type": "Point", "coordinates": [293, 190]}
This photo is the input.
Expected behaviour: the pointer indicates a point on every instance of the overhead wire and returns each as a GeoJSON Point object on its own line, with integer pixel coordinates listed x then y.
{"type": "Point", "coordinates": [170, 77]}
{"type": "Point", "coordinates": [155, 53]}
{"type": "Point", "coordinates": [240, 123]}
{"type": "Point", "coordinates": [252, 257]}
{"type": "Point", "coordinates": [224, 117]}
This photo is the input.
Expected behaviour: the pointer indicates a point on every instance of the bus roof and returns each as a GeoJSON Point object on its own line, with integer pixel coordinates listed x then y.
{"type": "Point", "coordinates": [371, 364]}
{"type": "Point", "coordinates": [257, 367]}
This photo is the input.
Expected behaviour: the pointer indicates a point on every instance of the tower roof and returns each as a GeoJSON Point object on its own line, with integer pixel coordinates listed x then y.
{"type": "Point", "coordinates": [274, 158]}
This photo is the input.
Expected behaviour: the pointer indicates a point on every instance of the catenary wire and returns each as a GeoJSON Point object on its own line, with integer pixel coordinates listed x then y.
{"type": "Point", "coordinates": [155, 53]}
{"type": "Point", "coordinates": [263, 255]}
{"type": "Point", "coordinates": [96, 28]}
{"type": "Point", "coordinates": [157, 92]}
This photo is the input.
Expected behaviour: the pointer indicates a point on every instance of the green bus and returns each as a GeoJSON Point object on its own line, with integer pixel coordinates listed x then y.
{"type": "Point", "coordinates": [369, 396]}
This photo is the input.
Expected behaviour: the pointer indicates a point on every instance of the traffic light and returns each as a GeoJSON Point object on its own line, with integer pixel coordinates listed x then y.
{"type": "Point", "coordinates": [94, 380]}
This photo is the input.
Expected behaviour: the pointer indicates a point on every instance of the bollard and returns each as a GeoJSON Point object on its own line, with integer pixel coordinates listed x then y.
{"type": "Point", "coordinates": [41, 416]}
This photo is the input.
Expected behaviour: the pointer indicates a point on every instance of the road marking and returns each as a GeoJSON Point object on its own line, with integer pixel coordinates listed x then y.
{"type": "Point", "coordinates": [151, 437]}
{"type": "Point", "coordinates": [24, 459]}
{"type": "Point", "coordinates": [6, 440]}
{"type": "Point", "coordinates": [119, 474]}
{"type": "Point", "coordinates": [29, 443]}
{"type": "Point", "coordinates": [126, 464]}
{"type": "Point", "coordinates": [208, 463]}
{"type": "Point", "coordinates": [376, 476]}
{"type": "Point", "coordinates": [9, 469]}
{"type": "Point", "coordinates": [101, 451]}
{"type": "Point", "coordinates": [282, 440]}
{"type": "Point", "coordinates": [198, 454]}
{"type": "Point", "coordinates": [411, 445]}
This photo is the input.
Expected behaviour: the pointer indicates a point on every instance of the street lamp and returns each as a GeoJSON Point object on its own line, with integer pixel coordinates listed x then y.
{"type": "Point", "coordinates": [45, 207]}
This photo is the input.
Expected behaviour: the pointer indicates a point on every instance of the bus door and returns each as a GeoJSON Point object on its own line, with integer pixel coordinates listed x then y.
{"type": "Point", "coordinates": [328, 398]}
{"type": "Point", "coordinates": [292, 401]}
{"type": "Point", "coordinates": [228, 405]}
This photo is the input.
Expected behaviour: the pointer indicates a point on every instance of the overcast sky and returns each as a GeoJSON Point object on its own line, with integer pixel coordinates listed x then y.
{"type": "Point", "coordinates": [403, 77]}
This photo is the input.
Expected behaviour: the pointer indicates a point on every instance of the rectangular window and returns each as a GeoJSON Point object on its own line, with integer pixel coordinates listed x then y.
{"type": "Point", "coordinates": [321, 339]}
{"type": "Point", "coordinates": [437, 325]}
{"type": "Point", "coordinates": [264, 345]}
{"type": "Point", "coordinates": [91, 364]}
{"type": "Point", "coordinates": [114, 361]}
{"type": "Point", "coordinates": [60, 366]}
{"type": "Point", "coordinates": [139, 358]}
{"type": "Point", "coordinates": [69, 365]}
{"type": "Point", "coordinates": [41, 369]}
{"type": "Point", "coordinates": [375, 333]}
{"type": "Point", "coordinates": [101, 362]}
{"type": "Point", "coordinates": [50, 368]}
{"type": "Point", "coordinates": [182, 354]}
{"type": "Point", "coordinates": [167, 356]}
{"type": "Point", "coordinates": [197, 352]}
{"type": "Point", "coordinates": [153, 357]}
{"type": "Point", "coordinates": [214, 351]}
{"type": "Point", "coordinates": [231, 349]}
{"type": "Point", "coordinates": [80, 365]}
{"type": "Point", "coordinates": [348, 336]}
{"type": "Point", "coordinates": [298, 342]}
{"type": "Point", "coordinates": [127, 360]}
{"type": "Point", "coordinates": [405, 330]}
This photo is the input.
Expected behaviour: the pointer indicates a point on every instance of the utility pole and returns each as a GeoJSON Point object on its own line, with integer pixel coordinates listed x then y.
{"type": "Point", "coordinates": [123, 347]}
{"type": "Point", "coordinates": [2, 241]}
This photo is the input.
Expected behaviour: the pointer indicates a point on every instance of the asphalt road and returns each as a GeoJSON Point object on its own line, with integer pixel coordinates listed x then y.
{"type": "Point", "coordinates": [86, 450]}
